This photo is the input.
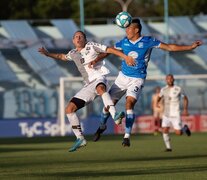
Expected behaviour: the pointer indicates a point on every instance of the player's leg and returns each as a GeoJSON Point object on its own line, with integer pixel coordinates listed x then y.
{"type": "Point", "coordinates": [130, 117]}
{"type": "Point", "coordinates": [156, 122]}
{"type": "Point", "coordinates": [185, 129]}
{"type": "Point", "coordinates": [179, 130]}
{"type": "Point", "coordinates": [134, 89]}
{"type": "Point", "coordinates": [70, 110]}
{"type": "Point", "coordinates": [165, 133]}
{"type": "Point", "coordinates": [106, 113]}
{"type": "Point", "coordinates": [86, 95]}
{"type": "Point", "coordinates": [108, 103]}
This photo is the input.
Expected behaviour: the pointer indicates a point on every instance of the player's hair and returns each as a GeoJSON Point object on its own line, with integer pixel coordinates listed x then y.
{"type": "Point", "coordinates": [81, 33]}
{"type": "Point", "coordinates": [170, 75]}
{"type": "Point", "coordinates": [137, 21]}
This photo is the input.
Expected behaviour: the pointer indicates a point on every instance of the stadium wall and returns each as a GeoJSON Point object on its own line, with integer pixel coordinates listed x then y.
{"type": "Point", "coordinates": [49, 127]}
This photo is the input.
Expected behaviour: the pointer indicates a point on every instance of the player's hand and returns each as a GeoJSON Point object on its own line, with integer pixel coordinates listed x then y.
{"type": "Point", "coordinates": [43, 51]}
{"type": "Point", "coordinates": [185, 112]}
{"type": "Point", "coordinates": [196, 44]}
{"type": "Point", "coordinates": [130, 61]}
{"type": "Point", "coordinates": [90, 65]}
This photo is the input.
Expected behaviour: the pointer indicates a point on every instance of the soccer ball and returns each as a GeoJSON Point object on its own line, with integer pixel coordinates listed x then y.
{"type": "Point", "coordinates": [123, 19]}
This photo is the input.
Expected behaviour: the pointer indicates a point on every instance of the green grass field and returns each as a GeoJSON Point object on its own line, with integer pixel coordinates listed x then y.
{"type": "Point", "coordinates": [48, 158]}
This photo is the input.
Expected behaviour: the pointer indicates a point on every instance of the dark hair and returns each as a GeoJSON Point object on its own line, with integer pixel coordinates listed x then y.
{"type": "Point", "coordinates": [170, 75]}
{"type": "Point", "coordinates": [81, 33]}
{"type": "Point", "coordinates": [137, 21]}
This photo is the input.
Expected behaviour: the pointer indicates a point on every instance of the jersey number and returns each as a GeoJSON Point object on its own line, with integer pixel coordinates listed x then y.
{"type": "Point", "coordinates": [82, 60]}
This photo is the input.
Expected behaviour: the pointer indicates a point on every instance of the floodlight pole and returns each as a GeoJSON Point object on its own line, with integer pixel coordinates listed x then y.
{"type": "Point", "coordinates": [81, 3]}
{"type": "Point", "coordinates": [167, 55]}
{"type": "Point", "coordinates": [124, 5]}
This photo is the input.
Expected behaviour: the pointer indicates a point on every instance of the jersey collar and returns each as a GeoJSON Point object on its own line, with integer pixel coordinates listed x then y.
{"type": "Point", "coordinates": [134, 42]}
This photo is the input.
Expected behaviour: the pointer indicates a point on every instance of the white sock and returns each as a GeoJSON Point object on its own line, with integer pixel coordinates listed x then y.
{"type": "Point", "coordinates": [75, 124]}
{"type": "Point", "coordinates": [126, 135]}
{"type": "Point", "coordinates": [108, 102]}
{"type": "Point", "coordinates": [166, 139]}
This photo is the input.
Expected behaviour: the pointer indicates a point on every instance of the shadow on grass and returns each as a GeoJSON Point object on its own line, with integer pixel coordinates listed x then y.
{"type": "Point", "coordinates": [110, 161]}
{"type": "Point", "coordinates": [26, 149]}
{"type": "Point", "coordinates": [106, 137]}
{"type": "Point", "coordinates": [127, 172]}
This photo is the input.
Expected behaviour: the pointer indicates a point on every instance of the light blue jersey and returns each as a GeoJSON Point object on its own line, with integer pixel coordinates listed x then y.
{"type": "Point", "coordinates": [140, 50]}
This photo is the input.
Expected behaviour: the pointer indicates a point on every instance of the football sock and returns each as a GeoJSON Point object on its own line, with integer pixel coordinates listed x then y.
{"type": "Point", "coordinates": [104, 116]}
{"type": "Point", "coordinates": [126, 135]}
{"type": "Point", "coordinates": [108, 102]}
{"type": "Point", "coordinates": [166, 139]}
{"type": "Point", "coordinates": [130, 116]}
{"type": "Point", "coordinates": [75, 124]}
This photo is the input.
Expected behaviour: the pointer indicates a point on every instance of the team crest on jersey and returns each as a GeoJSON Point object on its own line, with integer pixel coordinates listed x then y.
{"type": "Point", "coordinates": [133, 54]}
{"type": "Point", "coordinates": [140, 45]}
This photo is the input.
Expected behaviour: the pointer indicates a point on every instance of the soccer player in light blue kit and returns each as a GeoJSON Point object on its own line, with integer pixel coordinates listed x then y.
{"type": "Point", "coordinates": [130, 80]}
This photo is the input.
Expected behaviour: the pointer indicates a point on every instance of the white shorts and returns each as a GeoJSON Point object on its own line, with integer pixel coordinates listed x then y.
{"type": "Point", "coordinates": [88, 93]}
{"type": "Point", "coordinates": [129, 85]}
{"type": "Point", "coordinates": [174, 121]}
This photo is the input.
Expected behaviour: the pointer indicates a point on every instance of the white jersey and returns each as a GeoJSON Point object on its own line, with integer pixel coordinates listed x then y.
{"type": "Point", "coordinates": [84, 57]}
{"type": "Point", "coordinates": [172, 96]}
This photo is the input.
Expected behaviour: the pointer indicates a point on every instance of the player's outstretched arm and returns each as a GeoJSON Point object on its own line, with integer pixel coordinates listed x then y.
{"type": "Point", "coordinates": [129, 60]}
{"type": "Point", "coordinates": [43, 51]}
{"type": "Point", "coordinates": [100, 57]}
{"type": "Point", "coordinates": [176, 47]}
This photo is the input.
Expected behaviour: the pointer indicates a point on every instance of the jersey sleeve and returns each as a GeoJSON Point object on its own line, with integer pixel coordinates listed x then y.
{"type": "Point", "coordinates": [118, 45]}
{"type": "Point", "coordinates": [155, 42]}
{"type": "Point", "coordinates": [68, 56]}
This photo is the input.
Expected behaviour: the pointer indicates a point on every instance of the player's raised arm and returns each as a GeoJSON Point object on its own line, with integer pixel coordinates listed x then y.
{"type": "Point", "coordinates": [58, 56]}
{"type": "Point", "coordinates": [175, 47]}
{"type": "Point", "coordinates": [129, 60]}
{"type": "Point", "coordinates": [100, 57]}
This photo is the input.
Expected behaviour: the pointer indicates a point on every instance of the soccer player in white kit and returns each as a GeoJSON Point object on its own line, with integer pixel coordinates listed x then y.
{"type": "Point", "coordinates": [95, 81]}
{"type": "Point", "coordinates": [130, 80]}
{"type": "Point", "coordinates": [171, 95]}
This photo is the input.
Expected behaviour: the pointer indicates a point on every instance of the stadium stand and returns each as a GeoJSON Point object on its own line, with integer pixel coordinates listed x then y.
{"type": "Point", "coordinates": [48, 70]}
{"type": "Point", "coordinates": [20, 40]}
{"type": "Point", "coordinates": [6, 73]}
{"type": "Point", "coordinates": [67, 27]}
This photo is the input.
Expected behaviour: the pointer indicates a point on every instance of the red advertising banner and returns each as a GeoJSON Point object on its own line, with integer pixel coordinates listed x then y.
{"type": "Point", "coordinates": [145, 124]}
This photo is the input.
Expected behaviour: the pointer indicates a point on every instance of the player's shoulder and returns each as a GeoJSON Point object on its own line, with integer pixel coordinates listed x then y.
{"type": "Point", "coordinates": [72, 51]}
{"type": "Point", "coordinates": [91, 43]}
{"type": "Point", "coordinates": [148, 38]}
{"type": "Point", "coordinates": [177, 88]}
{"type": "Point", "coordinates": [164, 88]}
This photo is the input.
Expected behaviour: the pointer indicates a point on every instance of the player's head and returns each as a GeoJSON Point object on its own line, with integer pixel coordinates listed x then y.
{"type": "Point", "coordinates": [170, 80]}
{"type": "Point", "coordinates": [157, 89]}
{"type": "Point", "coordinates": [133, 31]}
{"type": "Point", "coordinates": [79, 39]}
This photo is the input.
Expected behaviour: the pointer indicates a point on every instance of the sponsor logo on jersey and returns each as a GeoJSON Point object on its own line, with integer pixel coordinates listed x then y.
{"type": "Point", "coordinates": [133, 54]}
{"type": "Point", "coordinates": [126, 44]}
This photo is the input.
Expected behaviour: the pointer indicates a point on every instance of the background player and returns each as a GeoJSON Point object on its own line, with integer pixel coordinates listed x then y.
{"type": "Point", "coordinates": [130, 80]}
{"type": "Point", "coordinates": [157, 110]}
{"type": "Point", "coordinates": [96, 83]}
{"type": "Point", "coordinates": [171, 95]}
